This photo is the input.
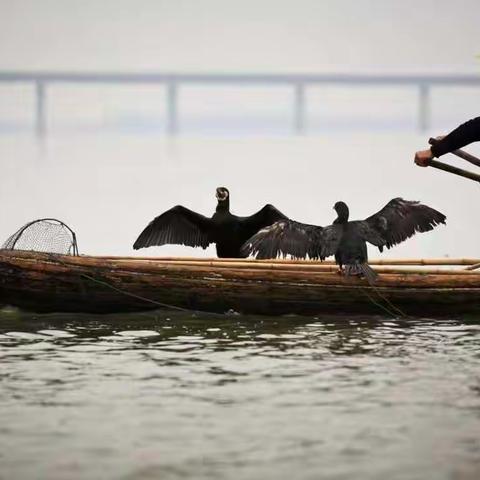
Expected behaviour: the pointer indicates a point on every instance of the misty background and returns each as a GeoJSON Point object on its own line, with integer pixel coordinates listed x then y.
{"type": "Point", "coordinates": [106, 166]}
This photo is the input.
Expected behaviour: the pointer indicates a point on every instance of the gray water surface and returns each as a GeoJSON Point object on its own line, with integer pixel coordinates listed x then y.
{"type": "Point", "coordinates": [169, 395]}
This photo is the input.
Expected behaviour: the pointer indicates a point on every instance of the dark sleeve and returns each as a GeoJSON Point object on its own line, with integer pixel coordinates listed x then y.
{"type": "Point", "coordinates": [466, 133]}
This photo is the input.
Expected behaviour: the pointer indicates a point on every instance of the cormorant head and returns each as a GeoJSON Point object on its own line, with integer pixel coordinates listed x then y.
{"type": "Point", "coordinates": [342, 212]}
{"type": "Point", "coordinates": [222, 194]}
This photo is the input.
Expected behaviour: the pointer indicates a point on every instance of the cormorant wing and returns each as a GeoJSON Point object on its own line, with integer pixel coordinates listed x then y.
{"type": "Point", "coordinates": [268, 215]}
{"type": "Point", "coordinates": [180, 226]}
{"type": "Point", "coordinates": [398, 220]}
{"type": "Point", "coordinates": [285, 237]}
{"type": "Point", "coordinates": [327, 242]}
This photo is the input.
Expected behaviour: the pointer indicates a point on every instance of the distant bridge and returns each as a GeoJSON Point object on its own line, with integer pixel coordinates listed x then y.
{"type": "Point", "coordinates": [299, 83]}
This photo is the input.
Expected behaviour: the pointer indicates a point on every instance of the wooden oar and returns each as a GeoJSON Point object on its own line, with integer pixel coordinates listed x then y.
{"type": "Point", "coordinates": [455, 170]}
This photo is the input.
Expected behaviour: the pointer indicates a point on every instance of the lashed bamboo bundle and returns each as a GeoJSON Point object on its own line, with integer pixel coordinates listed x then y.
{"type": "Point", "coordinates": [431, 274]}
{"type": "Point", "coordinates": [286, 261]}
{"type": "Point", "coordinates": [51, 282]}
{"type": "Point", "coordinates": [328, 266]}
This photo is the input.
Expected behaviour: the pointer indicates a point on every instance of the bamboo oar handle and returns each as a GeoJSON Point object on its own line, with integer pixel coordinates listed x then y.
{"type": "Point", "coordinates": [454, 170]}
{"type": "Point", "coordinates": [467, 156]}
{"type": "Point", "coordinates": [473, 267]}
{"type": "Point", "coordinates": [460, 153]}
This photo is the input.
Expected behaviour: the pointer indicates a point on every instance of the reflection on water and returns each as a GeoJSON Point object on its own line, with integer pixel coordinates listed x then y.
{"type": "Point", "coordinates": [165, 395]}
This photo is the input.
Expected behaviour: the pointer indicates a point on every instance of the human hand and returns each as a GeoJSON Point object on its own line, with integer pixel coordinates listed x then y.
{"type": "Point", "coordinates": [423, 157]}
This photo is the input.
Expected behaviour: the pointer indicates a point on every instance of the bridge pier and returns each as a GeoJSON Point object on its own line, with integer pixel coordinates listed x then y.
{"type": "Point", "coordinates": [423, 107]}
{"type": "Point", "coordinates": [299, 109]}
{"type": "Point", "coordinates": [40, 109]}
{"type": "Point", "coordinates": [172, 108]}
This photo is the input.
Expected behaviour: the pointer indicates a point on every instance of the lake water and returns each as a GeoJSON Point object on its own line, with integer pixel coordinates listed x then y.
{"type": "Point", "coordinates": [170, 396]}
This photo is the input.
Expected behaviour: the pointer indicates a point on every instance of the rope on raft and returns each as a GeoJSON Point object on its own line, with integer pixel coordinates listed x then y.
{"type": "Point", "coordinates": [379, 305]}
{"type": "Point", "coordinates": [148, 300]}
{"type": "Point", "coordinates": [139, 297]}
{"type": "Point", "coordinates": [175, 307]}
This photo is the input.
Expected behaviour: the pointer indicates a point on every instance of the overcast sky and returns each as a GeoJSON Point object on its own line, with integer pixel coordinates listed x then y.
{"type": "Point", "coordinates": [246, 35]}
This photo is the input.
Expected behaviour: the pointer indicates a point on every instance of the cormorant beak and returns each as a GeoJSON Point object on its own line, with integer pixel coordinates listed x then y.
{"type": "Point", "coordinates": [221, 195]}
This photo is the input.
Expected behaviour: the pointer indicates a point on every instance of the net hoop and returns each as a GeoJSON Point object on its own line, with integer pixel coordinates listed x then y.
{"type": "Point", "coordinates": [13, 240]}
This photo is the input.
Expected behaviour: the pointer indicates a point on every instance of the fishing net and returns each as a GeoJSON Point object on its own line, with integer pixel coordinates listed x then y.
{"type": "Point", "coordinates": [45, 235]}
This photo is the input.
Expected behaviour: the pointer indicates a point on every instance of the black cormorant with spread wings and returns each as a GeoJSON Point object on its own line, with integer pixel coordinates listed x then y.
{"type": "Point", "coordinates": [397, 221]}
{"type": "Point", "coordinates": [182, 226]}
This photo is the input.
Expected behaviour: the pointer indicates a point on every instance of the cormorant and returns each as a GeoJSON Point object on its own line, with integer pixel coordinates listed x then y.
{"type": "Point", "coordinates": [398, 220]}
{"type": "Point", "coordinates": [179, 225]}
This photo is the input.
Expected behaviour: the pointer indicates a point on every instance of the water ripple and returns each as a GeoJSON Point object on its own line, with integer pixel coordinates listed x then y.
{"type": "Point", "coordinates": [171, 395]}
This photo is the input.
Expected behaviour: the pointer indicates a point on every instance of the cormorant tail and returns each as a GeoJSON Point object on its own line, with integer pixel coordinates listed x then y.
{"type": "Point", "coordinates": [362, 269]}
{"type": "Point", "coordinates": [368, 273]}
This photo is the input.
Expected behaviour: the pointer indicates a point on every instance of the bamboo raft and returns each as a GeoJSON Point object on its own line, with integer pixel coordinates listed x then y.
{"type": "Point", "coordinates": [43, 282]}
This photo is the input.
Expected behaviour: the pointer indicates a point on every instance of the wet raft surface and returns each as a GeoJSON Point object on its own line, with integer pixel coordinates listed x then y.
{"type": "Point", "coordinates": [44, 282]}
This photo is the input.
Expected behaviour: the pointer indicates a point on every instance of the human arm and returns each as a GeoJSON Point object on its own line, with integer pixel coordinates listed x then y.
{"type": "Point", "coordinates": [466, 133]}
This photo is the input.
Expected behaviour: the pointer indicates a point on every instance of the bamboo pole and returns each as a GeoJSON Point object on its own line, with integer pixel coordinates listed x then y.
{"type": "Point", "coordinates": [177, 275]}
{"type": "Point", "coordinates": [305, 265]}
{"type": "Point", "coordinates": [467, 156]}
{"type": "Point", "coordinates": [455, 170]}
{"type": "Point", "coordinates": [223, 267]}
{"type": "Point", "coordinates": [132, 263]}
{"type": "Point", "coordinates": [401, 261]}
{"type": "Point", "coordinates": [301, 268]}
